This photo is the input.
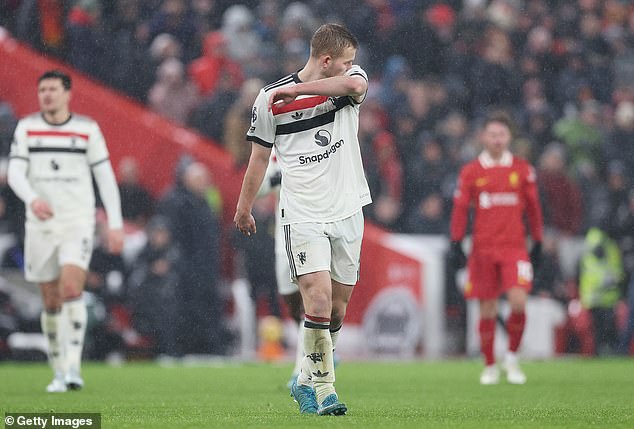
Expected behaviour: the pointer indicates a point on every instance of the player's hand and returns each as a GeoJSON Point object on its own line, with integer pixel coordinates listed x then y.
{"type": "Point", "coordinates": [282, 97]}
{"type": "Point", "coordinates": [115, 241]}
{"type": "Point", "coordinates": [456, 255]}
{"type": "Point", "coordinates": [536, 255]}
{"type": "Point", "coordinates": [245, 222]}
{"type": "Point", "coordinates": [41, 209]}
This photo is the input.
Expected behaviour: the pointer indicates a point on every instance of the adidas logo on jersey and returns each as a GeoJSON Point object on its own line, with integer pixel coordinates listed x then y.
{"type": "Point", "coordinates": [297, 115]}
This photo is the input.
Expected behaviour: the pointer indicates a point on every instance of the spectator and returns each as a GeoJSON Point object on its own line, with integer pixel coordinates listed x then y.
{"type": "Point", "coordinates": [196, 230]}
{"type": "Point", "coordinates": [154, 290]}
{"type": "Point", "coordinates": [561, 197]}
{"type": "Point", "coordinates": [429, 217]}
{"type": "Point", "coordinates": [87, 39]}
{"type": "Point", "coordinates": [238, 119]}
{"type": "Point", "coordinates": [582, 136]}
{"type": "Point", "coordinates": [175, 18]}
{"type": "Point", "coordinates": [136, 202]}
{"type": "Point", "coordinates": [207, 70]}
{"type": "Point", "coordinates": [173, 96]}
{"type": "Point", "coordinates": [600, 277]}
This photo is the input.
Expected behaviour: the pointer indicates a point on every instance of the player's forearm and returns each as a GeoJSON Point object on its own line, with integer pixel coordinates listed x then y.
{"type": "Point", "coordinates": [109, 192]}
{"type": "Point", "coordinates": [458, 223]}
{"type": "Point", "coordinates": [337, 86]}
{"type": "Point", "coordinates": [19, 183]}
{"type": "Point", "coordinates": [252, 182]}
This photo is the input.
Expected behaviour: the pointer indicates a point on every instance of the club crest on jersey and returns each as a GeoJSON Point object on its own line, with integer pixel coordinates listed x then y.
{"type": "Point", "coordinates": [481, 181]}
{"type": "Point", "coordinates": [514, 179]}
{"type": "Point", "coordinates": [322, 138]}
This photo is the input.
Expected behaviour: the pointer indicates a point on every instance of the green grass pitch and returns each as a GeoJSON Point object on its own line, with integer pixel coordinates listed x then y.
{"type": "Point", "coordinates": [567, 393]}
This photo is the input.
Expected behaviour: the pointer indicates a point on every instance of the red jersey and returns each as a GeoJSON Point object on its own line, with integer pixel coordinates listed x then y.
{"type": "Point", "coordinates": [500, 192]}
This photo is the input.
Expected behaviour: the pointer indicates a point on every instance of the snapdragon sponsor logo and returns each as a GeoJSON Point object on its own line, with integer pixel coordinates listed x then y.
{"type": "Point", "coordinates": [322, 139]}
{"type": "Point", "coordinates": [321, 156]}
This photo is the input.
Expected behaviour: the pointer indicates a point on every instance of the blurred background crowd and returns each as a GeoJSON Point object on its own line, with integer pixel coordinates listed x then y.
{"type": "Point", "coordinates": [564, 69]}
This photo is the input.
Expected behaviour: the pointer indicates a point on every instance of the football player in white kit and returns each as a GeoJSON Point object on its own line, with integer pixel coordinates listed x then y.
{"type": "Point", "coordinates": [312, 118]}
{"type": "Point", "coordinates": [54, 156]}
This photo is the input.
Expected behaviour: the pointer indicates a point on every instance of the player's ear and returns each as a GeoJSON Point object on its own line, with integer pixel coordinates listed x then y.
{"type": "Point", "coordinates": [325, 62]}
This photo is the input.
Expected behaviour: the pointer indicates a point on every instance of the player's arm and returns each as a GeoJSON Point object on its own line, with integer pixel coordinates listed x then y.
{"type": "Point", "coordinates": [533, 207]}
{"type": "Point", "coordinates": [354, 85]}
{"type": "Point", "coordinates": [99, 160]}
{"type": "Point", "coordinates": [460, 211]}
{"type": "Point", "coordinates": [258, 163]}
{"type": "Point", "coordinates": [459, 218]}
{"type": "Point", "coordinates": [534, 215]}
{"type": "Point", "coordinates": [17, 176]}
{"type": "Point", "coordinates": [109, 192]}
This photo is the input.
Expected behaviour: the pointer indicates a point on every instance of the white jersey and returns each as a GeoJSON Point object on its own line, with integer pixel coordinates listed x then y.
{"type": "Point", "coordinates": [317, 148]}
{"type": "Point", "coordinates": [60, 158]}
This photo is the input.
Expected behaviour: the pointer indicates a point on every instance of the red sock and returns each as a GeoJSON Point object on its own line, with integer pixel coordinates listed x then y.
{"type": "Point", "coordinates": [515, 328]}
{"type": "Point", "coordinates": [487, 337]}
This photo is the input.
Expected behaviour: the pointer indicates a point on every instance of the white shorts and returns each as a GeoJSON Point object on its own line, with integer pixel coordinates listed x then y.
{"type": "Point", "coordinates": [46, 250]}
{"type": "Point", "coordinates": [333, 246]}
{"type": "Point", "coordinates": [285, 285]}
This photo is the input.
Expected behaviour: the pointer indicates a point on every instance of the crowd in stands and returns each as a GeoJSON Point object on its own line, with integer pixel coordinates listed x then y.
{"type": "Point", "coordinates": [563, 69]}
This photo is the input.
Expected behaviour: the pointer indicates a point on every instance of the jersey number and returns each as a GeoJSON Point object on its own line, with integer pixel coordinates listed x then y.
{"type": "Point", "coordinates": [524, 272]}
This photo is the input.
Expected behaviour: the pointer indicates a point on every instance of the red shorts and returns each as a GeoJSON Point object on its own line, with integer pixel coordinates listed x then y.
{"type": "Point", "coordinates": [491, 272]}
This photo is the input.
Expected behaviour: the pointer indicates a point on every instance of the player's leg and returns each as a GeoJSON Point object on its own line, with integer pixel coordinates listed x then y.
{"type": "Point", "coordinates": [486, 329]}
{"type": "Point", "coordinates": [74, 258]}
{"type": "Point", "coordinates": [72, 280]}
{"type": "Point", "coordinates": [40, 266]}
{"type": "Point", "coordinates": [308, 252]}
{"type": "Point", "coordinates": [345, 239]}
{"type": "Point", "coordinates": [517, 276]}
{"type": "Point", "coordinates": [52, 328]}
{"type": "Point", "coordinates": [481, 285]}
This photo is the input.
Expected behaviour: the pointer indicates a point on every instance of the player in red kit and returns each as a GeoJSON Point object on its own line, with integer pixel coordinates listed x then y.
{"type": "Point", "coordinates": [501, 189]}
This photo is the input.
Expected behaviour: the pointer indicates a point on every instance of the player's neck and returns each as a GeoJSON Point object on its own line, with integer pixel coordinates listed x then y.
{"type": "Point", "coordinates": [58, 117]}
{"type": "Point", "coordinates": [310, 72]}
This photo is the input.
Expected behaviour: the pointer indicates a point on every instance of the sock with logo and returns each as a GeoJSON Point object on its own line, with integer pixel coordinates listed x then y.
{"type": "Point", "coordinates": [318, 360]}
{"type": "Point", "coordinates": [515, 328]}
{"type": "Point", "coordinates": [50, 321]}
{"type": "Point", "coordinates": [487, 338]}
{"type": "Point", "coordinates": [75, 318]}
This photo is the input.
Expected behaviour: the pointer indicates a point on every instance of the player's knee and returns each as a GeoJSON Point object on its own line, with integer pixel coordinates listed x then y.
{"type": "Point", "coordinates": [71, 289]}
{"type": "Point", "coordinates": [51, 298]}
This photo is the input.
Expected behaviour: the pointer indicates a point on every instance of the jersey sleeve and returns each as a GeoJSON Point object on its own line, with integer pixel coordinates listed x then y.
{"type": "Point", "coordinates": [19, 145]}
{"type": "Point", "coordinates": [19, 165]}
{"type": "Point", "coordinates": [461, 201]}
{"type": "Point", "coordinates": [356, 70]}
{"type": "Point", "coordinates": [96, 151]}
{"type": "Point", "coordinates": [262, 129]}
{"type": "Point", "coordinates": [533, 207]}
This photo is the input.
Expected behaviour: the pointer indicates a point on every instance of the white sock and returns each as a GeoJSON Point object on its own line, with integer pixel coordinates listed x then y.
{"type": "Point", "coordinates": [318, 360]}
{"type": "Point", "coordinates": [75, 319]}
{"type": "Point", "coordinates": [299, 350]}
{"type": "Point", "coordinates": [50, 322]}
{"type": "Point", "coordinates": [334, 336]}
